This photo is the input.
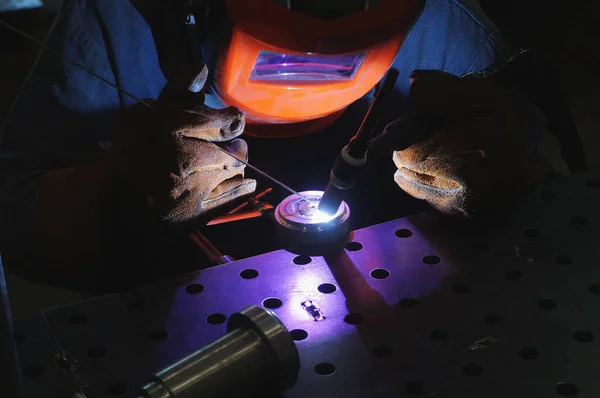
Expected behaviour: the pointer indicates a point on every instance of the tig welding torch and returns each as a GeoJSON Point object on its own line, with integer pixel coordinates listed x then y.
{"type": "Point", "coordinates": [353, 156]}
{"type": "Point", "coordinates": [525, 69]}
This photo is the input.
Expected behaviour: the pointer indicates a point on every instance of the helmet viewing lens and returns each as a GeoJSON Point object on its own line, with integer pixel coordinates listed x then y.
{"type": "Point", "coordinates": [272, 66]}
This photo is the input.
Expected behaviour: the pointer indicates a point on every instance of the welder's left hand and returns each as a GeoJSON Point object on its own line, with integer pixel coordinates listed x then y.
{"type": "Point", "coordinates": [474, 161]}
{"type": "Point", "coordinates": [169, 153]}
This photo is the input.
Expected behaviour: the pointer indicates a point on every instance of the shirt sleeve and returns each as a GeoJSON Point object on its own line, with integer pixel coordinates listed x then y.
{"type": "Point", "coordinates": [492, 45]}
{"type": "Point", "coordinates": [59, 115]}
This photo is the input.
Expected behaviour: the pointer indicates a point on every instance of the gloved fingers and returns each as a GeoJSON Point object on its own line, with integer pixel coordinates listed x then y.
{"type": "Point", "coordinates": [198, 156]}
{"type": "Point", "coordinates": [445, 193]}
{"type": "Point", "coordinates": [445, 148]}
{"type": "Point", "coordinates": [189, 197]}
{"type": "Point", "coordinates": [422, 189]}
{"type": "Point", "coordinates": [213, 188]}
{"type": "Point", "coordinates": [188, 84]}
{"type": "Point", "coordinates": [429, 185]}
{"type": "Point", "coordinates": [228, 191]}
{"type": "Point", "coordinates": [192, 204]}
{"type": "Point", "coordinates": [204, 123]}
{"type": "Point", "coordinates": [199, 167]}
{"type": "Point", "coordinates": [443, 172]}
{"type": "Point", "coordinates": [189, 117]}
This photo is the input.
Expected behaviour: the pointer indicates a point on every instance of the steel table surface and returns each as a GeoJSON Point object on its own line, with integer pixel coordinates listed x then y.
{"type": "Point", "coordinates": [411, 307]}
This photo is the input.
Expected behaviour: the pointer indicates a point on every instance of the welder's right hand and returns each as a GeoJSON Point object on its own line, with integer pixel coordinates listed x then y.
{"type": "Point", "coordinates": [168, 153]}
{"type": "Point", "coordinates": [461, 146]}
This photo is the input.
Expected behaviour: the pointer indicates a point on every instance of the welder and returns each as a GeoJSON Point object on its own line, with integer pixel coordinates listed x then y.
{"type": "Point", "coordinates": [93, 182]}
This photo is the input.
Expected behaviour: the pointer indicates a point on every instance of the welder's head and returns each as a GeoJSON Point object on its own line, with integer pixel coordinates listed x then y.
{"type": "Point", "coordinates": [294, 66]}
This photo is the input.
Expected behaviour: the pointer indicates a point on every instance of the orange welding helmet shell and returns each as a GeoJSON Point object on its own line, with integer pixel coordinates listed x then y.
{"type": "Point", "coordinates": [293, 70]}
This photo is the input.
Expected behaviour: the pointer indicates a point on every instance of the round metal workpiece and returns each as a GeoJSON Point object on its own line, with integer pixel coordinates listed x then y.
{"type": "Point", "coordinates": [306, 224]}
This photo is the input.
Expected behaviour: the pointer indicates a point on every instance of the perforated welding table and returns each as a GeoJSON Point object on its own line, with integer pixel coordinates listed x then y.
{"type": "Point", "coordinates": [410, 309]}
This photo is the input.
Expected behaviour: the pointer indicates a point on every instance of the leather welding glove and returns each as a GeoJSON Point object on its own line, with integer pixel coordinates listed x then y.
{"type": "Point", "coordinates": [473, 161]}
{"type": "Point", "coordinates": [169, 152]}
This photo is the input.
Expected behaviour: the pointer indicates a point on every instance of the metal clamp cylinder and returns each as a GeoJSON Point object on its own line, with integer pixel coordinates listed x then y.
{"type": "Point", "coordinates": [257, 355]}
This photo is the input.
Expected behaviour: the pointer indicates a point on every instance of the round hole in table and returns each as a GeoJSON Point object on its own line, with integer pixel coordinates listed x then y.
{"type": "Point", "coordinates": [249, 273]}
{"type": "Point", "coordinates": [408, 302]}
{"type": "Point", "coordinates": [403, 233]}
{"type": "Point", "coordinates": [461, 288]}
{"type": "Point", "coordinates": [583, 336]}
{"type": "Point", "coordinates": [431, 259]}
{"type": "Point", "coordinates": [216, 319]}
{"type": "Point", "coordinates": [354, 246]}
{"type": "Point", "coordinates": [593, 183]}
{"type": "Point", "coordinates": [563, 259]}
{"type": "Point", "coordinates": [158, 335]}
{"type": "Point", "coordinates": [528, 353]}
{"type": "Point", "coordinates": [194, 288]}
{"type": "Point", "coordinates": [324, 369]}
{"type": "Point", "coordinates": [566, 389]}
{"type": "Point", "coordinates": [302, 260]}
{"type": "Point", "coordinates": [578, 220]}
{"type": "Point", "coordinates": [299, 334]}
{"type": "Point", "coordinates": [272, 303]}
{"type": "Point", "coordinates": [380, 273]}
{"type": "Point", "coordinates": [327, 288]}
{"type": "Point", "coordinates": [354, 319]}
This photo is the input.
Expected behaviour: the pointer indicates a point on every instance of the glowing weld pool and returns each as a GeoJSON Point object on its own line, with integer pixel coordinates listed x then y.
{"type": "Point", "coordinates": [306, 223]}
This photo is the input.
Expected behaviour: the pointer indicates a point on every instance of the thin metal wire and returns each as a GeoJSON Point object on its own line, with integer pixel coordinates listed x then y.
{"type": "Point", "coordinates": [44, 46]}
{"type": "Point", "coordinates": [263, 174]}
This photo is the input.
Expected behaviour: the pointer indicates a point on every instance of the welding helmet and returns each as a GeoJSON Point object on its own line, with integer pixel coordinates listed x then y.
{"type": "Point", "coordinates": [293, 67]}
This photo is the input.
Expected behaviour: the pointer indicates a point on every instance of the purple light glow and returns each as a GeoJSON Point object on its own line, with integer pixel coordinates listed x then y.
{"type": "Point", "coordinates": [272, 66]}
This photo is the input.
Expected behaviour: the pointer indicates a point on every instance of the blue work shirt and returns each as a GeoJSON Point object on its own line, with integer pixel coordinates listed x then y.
{"type": "Point", "coordinates": [64, 114]}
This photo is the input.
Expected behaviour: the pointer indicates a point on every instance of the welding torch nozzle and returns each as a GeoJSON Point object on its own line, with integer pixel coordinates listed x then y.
{"type": "Point", "coordinates": [353, 157]}
{"type": "Point", "coordinates": [343, 175]}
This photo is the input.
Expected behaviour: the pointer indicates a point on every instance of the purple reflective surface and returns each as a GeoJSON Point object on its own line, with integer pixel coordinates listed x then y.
{"type": "Point", "coordinates": [402, 306]}
{"type": "Point", "coordinates": [273, 66]}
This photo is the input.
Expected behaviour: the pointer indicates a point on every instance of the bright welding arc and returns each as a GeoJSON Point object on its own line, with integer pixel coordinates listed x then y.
{"type": "Point", "coordinates": [141, 102]}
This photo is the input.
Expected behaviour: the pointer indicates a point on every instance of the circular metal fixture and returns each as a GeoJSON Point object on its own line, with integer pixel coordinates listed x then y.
{"type": "Point", "coordinates": [306, 224]}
